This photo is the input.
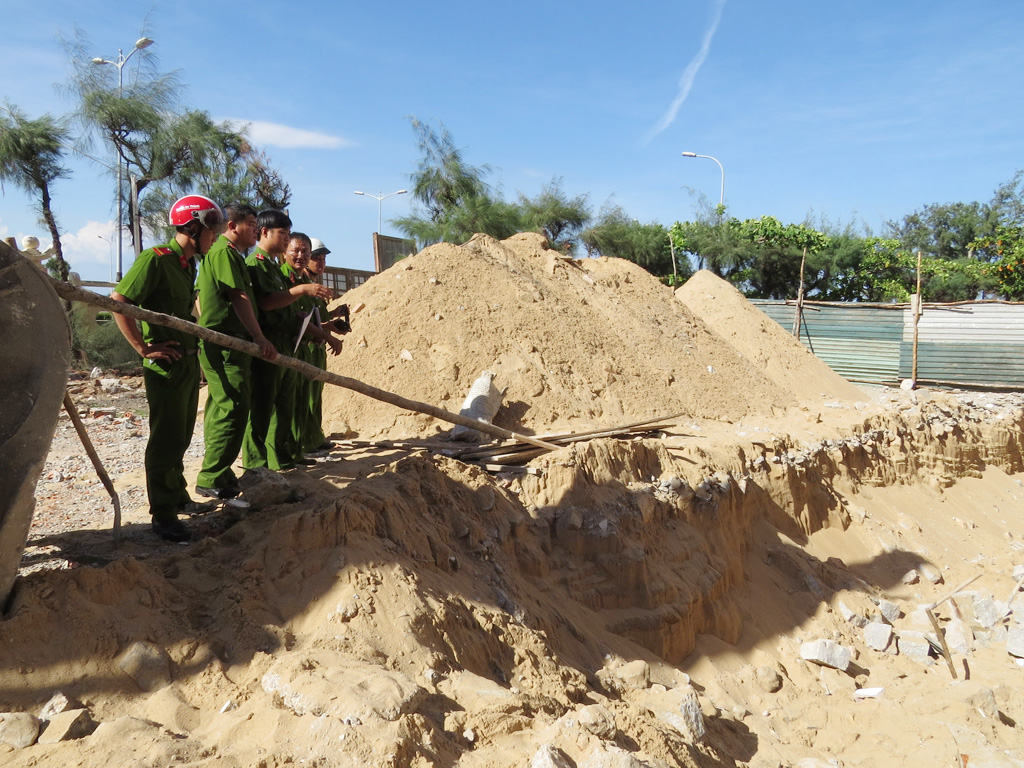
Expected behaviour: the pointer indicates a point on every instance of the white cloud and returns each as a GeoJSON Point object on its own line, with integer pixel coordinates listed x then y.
{"type": "Point", "coordinates": [689, 74]}
{"type": "Point", "coordinates": [276, 135]}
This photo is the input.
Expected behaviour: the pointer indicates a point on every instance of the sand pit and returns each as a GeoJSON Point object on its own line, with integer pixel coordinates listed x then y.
{"type": "Point", "coordinates": [631, 603]}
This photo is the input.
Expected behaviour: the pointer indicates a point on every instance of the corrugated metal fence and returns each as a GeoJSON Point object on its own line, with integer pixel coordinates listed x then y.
{"type": "Point", "coordinates": [973, 345]}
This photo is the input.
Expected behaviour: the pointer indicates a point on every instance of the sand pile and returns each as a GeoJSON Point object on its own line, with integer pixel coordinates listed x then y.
{"type": "Point", "coordinates": [595, 341]}
{"type": "Point", "coordinates": [762, 341]}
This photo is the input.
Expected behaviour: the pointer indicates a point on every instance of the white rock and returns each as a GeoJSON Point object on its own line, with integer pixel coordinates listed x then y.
{"type": "Point", "coordinates": [931, 573]}
{"type": "Point", "coordinates": [147, 664]}
{"type": "Point", "coordinates": [598, 720]}
{"type": "Point", "coordinates": [911, 577]}
{"type": "Point", "coordinates": [959, 637]}
{"type": "Point", "coordinates": [18, 729]}
{"type": "Point", "coordinates": [73, 724]}
{"type": "Point", "coordinates": [1015, 641]}
{"type": "Point", "coordinates": [854, 618]}
{"type": "Point", "coordinates": [606, 756]}
{"type": "Point", "coordinates": [987, 610]}
{"type": "Point", "coordinates": [878, 635]}
{"type": "Point", "coordinates": [550, 757]}
{"type": "Point", "coordinates": [828, 653]}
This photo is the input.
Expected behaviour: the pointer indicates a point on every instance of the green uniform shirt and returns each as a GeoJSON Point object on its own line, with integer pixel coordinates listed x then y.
{"type": "Point", "coordinates": [266, 277]}
{"type": "Point", "coordinates": [302, 305]}
{"type": "Point", "coordinates": [162, 280]}
{"type": "Point", "coordinates": [223, 271]}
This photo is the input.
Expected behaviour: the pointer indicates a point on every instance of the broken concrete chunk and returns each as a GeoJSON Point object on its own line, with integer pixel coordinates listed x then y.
{"type": "Point", "coordinates": [634, 675]}
{"type": "Point", "coordinates": [73, 724]}
{"type": "Point", "coordinates": [889, 610]}
{"type": "Point", "coordinates": [147, 664]}
{"type": "Point", "coordinates": [914, 645]}
{"type": "Point", "coordinates": [18, 729]}
{"type": "Point", "coordinates": [610, 757]}
{"type": "Point", "coordinates": [987, 610]}
{"type": "Point", "coordinates": [911, 577]}
{"type": "Point", "coordinates": [959, 637]}
{"type": "Point", "coordinates": [854, 618]}
{"type": "Point", "coordinates": [931, 573]}
{"type": "Point", "coordinates": [828, 653]}
{"type": "Point", "coordinates": [878, 636]}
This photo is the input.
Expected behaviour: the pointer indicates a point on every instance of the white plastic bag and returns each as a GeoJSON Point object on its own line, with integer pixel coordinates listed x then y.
{"type": "Point", "coordinates": [482, 404]}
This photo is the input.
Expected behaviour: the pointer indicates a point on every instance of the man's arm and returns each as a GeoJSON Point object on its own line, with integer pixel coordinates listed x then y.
{"type": "Point", "coordinates": [163, 350]}
{"type": "Point", "coordinates": [240, 304]}
{"type": "Point", "coordinates": [278, 299]}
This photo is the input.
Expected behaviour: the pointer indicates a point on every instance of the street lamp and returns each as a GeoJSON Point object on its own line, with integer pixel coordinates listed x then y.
{"type": "Point", "coordinates": [142, 42]}
{"type": "Point", "coordinates": [110, 257]}
{"type": "Point", "coordinates": [721, 199]}
{"type": "Point", "coordinates": [379, 198]}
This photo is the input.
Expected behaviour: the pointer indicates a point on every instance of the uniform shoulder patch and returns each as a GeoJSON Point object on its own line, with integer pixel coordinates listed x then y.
{"type": "Point", "coordinates": [162, 250]}
{"type": "Point", "coordinates": [260, 257]}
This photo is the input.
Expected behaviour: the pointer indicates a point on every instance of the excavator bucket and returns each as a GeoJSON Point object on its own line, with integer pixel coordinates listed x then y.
{"type": "Point", "coordinates": [34, 355]}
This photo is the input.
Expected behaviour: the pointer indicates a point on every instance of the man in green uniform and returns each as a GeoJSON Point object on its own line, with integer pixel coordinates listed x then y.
{"type": "Point", "coordinates": [162, 279]}
{"type": "Point", "coordinates": [332, 322]}
{"type": "Point", "coordinates": [267, 436]}
{"type": "Point", "coordinates": [309, 349]}
{"type": "Point", "coordinates": [227, 305]}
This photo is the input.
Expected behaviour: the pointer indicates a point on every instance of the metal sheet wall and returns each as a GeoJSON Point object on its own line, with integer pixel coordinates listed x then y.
{"type": "Point", "coordinates": [958, 345]}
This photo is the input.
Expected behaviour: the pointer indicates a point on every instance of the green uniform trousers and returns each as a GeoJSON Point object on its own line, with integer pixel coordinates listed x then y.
{"type": "Point", "coordinates": [227, 412]}
{"type": "Point", "coordinates": [268, 437]}
{"type": "Point", "coordinates": [304, 430]}
{"type": "Point", "coordinates": [314, 431]}
{"type": "Point", "coordinates": [173, 400]}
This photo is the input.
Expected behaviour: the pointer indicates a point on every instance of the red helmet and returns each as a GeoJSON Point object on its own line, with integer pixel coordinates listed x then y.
{"type": "Point", "coordinates": [196, 208]}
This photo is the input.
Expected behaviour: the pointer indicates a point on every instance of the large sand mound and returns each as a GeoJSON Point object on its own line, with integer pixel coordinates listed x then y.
{"type": "Point", "coordinates": [596, 341]}
{"type": "Point", "coordinates": [762, 341]}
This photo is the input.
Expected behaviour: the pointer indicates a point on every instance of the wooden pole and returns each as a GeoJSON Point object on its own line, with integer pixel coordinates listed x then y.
{"type": "Point", "coordinates": [917, 318]}
{"type": "Point", "coordinates": [73, 293]}
{"type": "Point", "coordinates": [94, 457]}
{"type": "Point", "coordinates": [800, 297]}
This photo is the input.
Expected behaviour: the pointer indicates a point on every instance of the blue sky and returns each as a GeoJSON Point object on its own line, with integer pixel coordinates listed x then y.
{"type": "Point", "coordinates": [860, 112]}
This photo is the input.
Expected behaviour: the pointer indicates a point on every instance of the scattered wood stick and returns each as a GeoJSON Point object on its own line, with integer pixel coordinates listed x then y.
{"type": "Point", "coordinates": [960, 588]}
{"type": "Point", "coordinates": [94, 457]}
{"type": "Point", "coordinates": [942, 642]}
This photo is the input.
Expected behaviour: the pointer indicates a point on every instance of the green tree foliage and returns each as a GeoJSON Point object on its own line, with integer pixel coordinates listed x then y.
{"type": "Point", "coordinates": [560, 218]}
{"type": "Point", "coordinates": [945, 231]}
{"type": "Point", "coordinates": [617, 234]}
{"type": "Point", "coordinates": [32, 158]}
{"type": "Point", "coordinates": [169, 150]}
{"type": "Point", "coordinates": [453, 203]}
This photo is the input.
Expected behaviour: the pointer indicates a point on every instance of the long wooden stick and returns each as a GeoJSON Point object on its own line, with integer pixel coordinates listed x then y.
{"type": "Point", "coordinates": [72, 410]}
{"type": "Point", "coordinates": [73, 293]}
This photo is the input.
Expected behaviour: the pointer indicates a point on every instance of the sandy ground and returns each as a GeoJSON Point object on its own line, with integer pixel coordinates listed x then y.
{"type": "Point", "coordinates": [634, 602]}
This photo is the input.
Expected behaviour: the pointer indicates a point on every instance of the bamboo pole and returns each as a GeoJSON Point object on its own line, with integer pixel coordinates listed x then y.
{"type": "Point", "coordinates": [73, 293]}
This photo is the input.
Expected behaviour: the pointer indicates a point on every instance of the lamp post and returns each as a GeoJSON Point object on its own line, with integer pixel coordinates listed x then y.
{"type": "Point", "coordinates": [379, 198]}
{"type": "Point", "coordinates": [142, 42]}
{"type": "Point", "coordinates": [110, 256]}
{"type": "Point", "coordinates": [721, 198]}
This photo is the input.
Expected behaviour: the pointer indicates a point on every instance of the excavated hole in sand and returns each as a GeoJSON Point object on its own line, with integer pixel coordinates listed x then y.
{"type": "Point", "coordinates": [430, 614]}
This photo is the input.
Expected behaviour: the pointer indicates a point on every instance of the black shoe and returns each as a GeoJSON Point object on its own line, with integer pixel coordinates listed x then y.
{"type": "Point", "coordinates": [227, 492]}
{"type": "Point", "coordinates": [171, 530]}
{"type": "Point", "coordinates": [326, 445]}
{"type": "Point", "coordinates": [199, 507]}
{"type": "Point", "coordinates": [306, 462]}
